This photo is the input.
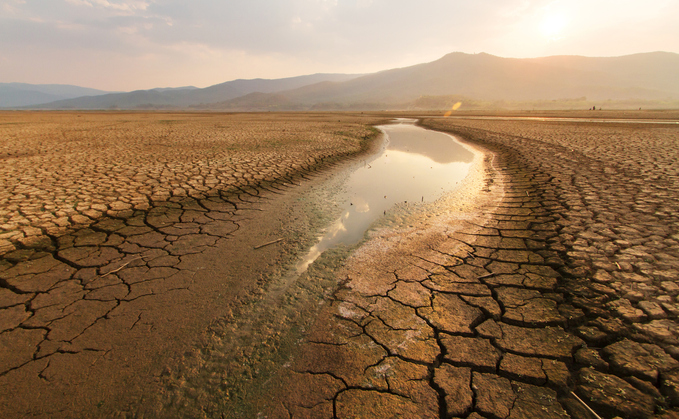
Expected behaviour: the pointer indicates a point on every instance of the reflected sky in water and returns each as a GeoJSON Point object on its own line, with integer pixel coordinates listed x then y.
{"type": "Point", "coordinates": [417, 165]}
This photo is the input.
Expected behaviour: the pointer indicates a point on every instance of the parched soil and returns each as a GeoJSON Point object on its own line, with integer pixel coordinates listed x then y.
{"type": "Point", "coordinates": [552, 295]}
{"type": "Point", "coordinates": [544, 287]}
{"type": "Point", "coordinates": [124, 235]}
{"type": "Point", "coordinates": [63, 170]}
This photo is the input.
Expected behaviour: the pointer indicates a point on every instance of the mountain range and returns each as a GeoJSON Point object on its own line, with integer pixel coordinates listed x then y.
{"type": "Point", "coordinates": [185, 97]}
{"type": "Point", "coordinates": [481, 79]}
{"type": "Point", "coordinates": [24, 94]}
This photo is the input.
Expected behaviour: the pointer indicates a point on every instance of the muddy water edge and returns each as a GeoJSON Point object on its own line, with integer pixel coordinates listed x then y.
{"type": "Point", "coordinates": [232, 370]}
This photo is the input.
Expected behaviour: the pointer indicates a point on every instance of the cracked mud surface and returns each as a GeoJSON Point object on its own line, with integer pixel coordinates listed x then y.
{"type": "Point", "coordinates": [552, 272]}
{"type": "Point", "coordinates": [123, 236]}
{"type": "Point", "coordinates": [560, 279]}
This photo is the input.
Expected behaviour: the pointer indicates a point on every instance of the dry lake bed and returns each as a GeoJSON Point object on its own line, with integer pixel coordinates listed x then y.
{"type": "Point", "coordinates": [150, 267]}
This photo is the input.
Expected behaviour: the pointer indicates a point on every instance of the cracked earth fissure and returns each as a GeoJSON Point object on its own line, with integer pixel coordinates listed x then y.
{"type": "Point", "coordinates": [443, 408]}
{"type": "Point", "coordinates": [575, 294]}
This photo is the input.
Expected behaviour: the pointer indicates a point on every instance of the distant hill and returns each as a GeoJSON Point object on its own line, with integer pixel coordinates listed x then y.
{"type": "Point", "coordinates": [487, 77]}
{"type": "Point", "coordinates": [483, 80]}
{"type": "Point", "coordinates": [168, 89]}
{"type": "Point", "coordinates": [488, 81]}
{"type": "Point", "coordinates": [186, 97]}
{"type": "Point", "coordinates": [256, 101]}
{"type": "Point", "coordinates": [24, 94]}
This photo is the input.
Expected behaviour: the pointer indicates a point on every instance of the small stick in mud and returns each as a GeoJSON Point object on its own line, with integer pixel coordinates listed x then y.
{"type": "Point", "coordinates": [121, 267]}
{"type": "Point", "coordinates": [486, 276]}
{"type": "Point", "coordinates": [585, 404]}
{"type": "Point", "coordinates": [268, 243]}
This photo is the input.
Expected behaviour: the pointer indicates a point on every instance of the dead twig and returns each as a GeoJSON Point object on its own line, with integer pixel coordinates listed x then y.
{"type": "Point", "coordinates": [121, 267]}
{"type": "Point", "coordinates": [585, 404]}
{"type": "Point", "coordinates": [266, 244]}
{"type": "Point", "coordinates": [486, 276]}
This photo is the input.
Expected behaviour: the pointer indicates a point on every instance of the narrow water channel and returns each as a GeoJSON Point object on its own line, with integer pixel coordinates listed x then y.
{"type": "Point", "coordinates": [414, 165]}
{"type": "Point", "coordinates": [248, 350]}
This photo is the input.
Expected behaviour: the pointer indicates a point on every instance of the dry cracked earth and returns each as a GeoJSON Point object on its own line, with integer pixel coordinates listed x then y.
{"type": "Point", "coordinates": [552, 295]}
{"type": "Point", "coordinates": [556, 298]}
{"type": "Point", "coordinates": [123, 235]}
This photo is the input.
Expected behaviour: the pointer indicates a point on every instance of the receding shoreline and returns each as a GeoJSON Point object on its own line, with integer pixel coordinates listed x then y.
{"type": "Point", "coordinates": [280, 320]}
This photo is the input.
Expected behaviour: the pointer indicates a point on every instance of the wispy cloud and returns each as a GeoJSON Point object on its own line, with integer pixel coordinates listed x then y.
{"type": "Point", "coordinates": [121, 6]}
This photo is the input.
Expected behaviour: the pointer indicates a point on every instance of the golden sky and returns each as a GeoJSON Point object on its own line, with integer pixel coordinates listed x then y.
{"type": "Point", "coordinates": [141, 44]}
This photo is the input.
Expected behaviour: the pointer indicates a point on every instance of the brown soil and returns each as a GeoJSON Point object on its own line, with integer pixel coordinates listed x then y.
{"type": "Point", "coordinates": [126, 235]}
{"type": "Point", "coordinates": [551, 273]}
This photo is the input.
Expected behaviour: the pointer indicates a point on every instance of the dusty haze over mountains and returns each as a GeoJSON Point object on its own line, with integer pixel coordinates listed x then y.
{"type": "Point", "coordinates": [126, 45]}
{"type": "Point", "coordinates": [477, 80]}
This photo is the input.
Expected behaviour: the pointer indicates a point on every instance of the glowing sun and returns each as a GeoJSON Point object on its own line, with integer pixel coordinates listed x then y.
{"type": "Point", "coordinates": [552, 25]}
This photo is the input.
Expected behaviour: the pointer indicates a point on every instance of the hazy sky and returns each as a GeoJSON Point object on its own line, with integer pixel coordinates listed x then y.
{"type": "Point", "coordinates": [141, 44]}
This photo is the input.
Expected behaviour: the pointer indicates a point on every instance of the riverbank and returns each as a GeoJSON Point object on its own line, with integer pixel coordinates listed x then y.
{"type": "Point", "coordinates": [369, 353]}
{"type": "Point", "coordinates": [557, 298]}
{"type": "Point", "coordinates": [238, 380]}
{"type": "Point", "coordinates": [102, 299]}
{"type": "Point", "coordinates": [612, 195]}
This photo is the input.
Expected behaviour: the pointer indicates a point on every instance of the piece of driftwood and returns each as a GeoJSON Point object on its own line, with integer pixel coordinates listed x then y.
{"type": "Point", "coordinates": [268, 243]}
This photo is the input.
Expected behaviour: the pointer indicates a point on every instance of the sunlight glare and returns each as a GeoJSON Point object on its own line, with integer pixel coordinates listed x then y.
{"type": "Point", "coordinates": [454, 108]}
{"type": "Point", "coordinates": [552, 25]}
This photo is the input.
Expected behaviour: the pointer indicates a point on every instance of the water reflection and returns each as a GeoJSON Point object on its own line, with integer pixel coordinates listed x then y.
{"type": "Point", "coordinates": [417, 165]}
{"type": "Point", "coordinates": [432, 144]}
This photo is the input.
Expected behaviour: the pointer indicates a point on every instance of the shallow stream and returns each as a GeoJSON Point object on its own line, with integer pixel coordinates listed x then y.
{"type": "Point", "coordinates": [236, 368]}
{"type": "Point", "coordinates": [413, 165]}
